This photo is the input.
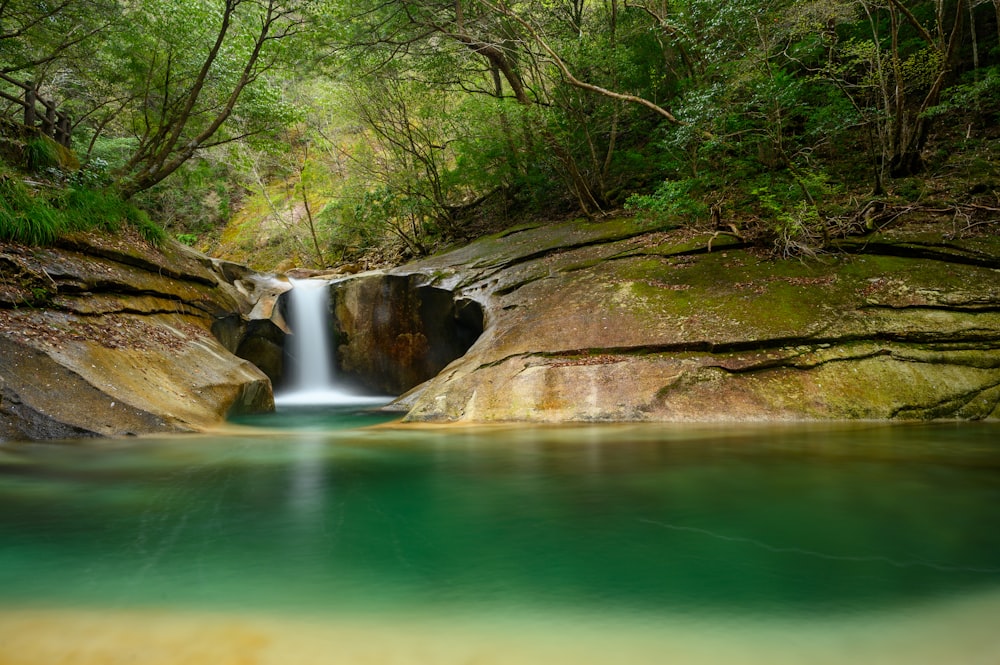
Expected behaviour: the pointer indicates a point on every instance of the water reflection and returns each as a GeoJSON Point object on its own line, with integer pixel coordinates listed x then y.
{"type": "Point", "coordinates": [637, 526]}
{"type": "Point", "coordinates": [307, 492]}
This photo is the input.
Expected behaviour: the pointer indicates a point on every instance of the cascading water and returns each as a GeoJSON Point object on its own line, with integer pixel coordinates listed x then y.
{"type": "Point", "coordinates": [310, 364]}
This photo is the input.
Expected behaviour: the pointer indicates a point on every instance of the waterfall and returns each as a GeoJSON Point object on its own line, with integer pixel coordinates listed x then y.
{"type": "Point", "coordinates": [310, 367]}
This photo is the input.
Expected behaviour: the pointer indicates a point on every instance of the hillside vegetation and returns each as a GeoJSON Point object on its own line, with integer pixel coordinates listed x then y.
{"type": "Point", "coordinates": [333, 133]}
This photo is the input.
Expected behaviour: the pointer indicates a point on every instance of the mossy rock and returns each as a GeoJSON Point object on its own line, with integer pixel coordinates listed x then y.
{"type": "Point", "coordinates": [611, 322]}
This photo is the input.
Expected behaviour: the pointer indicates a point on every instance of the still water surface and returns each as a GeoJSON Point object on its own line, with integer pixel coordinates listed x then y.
{"type": "Point", "coordinates": [305, 537]}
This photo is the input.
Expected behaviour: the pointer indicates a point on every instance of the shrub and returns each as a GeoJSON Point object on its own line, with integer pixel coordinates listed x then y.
{"type": "Point", "coordinates": [673, 201]}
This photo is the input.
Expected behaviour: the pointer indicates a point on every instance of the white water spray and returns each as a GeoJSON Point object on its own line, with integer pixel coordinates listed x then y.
{"type": "Point", "coordinates": [311, 369]}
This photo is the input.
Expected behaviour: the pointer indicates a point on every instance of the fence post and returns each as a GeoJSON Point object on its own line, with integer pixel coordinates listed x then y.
{"type": "Point", "coordinates": [29, 105]}
{"type": "Point", "coordinates": [49, 122]}
{"type": "Point", "coordinates": [64, 130]}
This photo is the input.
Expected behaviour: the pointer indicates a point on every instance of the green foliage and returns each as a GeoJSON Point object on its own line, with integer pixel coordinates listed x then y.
{"type": "Point", "coordinates": [198, 198]}
{"type": "Point", "coordinates": [368, 125]}
{"type": "Point", "coordinates": [106, 154]}
{"type": "Point", "coordinates": [26, 216]}
{"type": "Point", "coordinates": [893, 67]}
{"type": "Point", "coordinates": [790, 206]}
{"type": "Point", "coordinates": [40, 296]}
{"type": "Point", "coordinates": [41, 153]}
{"type": "Point", "coordinates": [383, 211]}
{"type": "Point", "coordinates": [178, 97]}
{"type": "Point", "coordinates": [40, 217]}
{"type": "Point", "coordinates": [795, 224]}
{"type": "Point", "coordinates": [346, 229]}
{"type": "Point", "coordinates": [150, 231]}
{"type": "Point", "coordinates": [90, 209]}
{"type": "Point", "coordinates": [978, 92]}
{"type": "Point", "coordinates": [673, 201]}
{"type": "Point", "coordinates": [41, 33]}
{"type": "Point", "coordinates": [93, 175]}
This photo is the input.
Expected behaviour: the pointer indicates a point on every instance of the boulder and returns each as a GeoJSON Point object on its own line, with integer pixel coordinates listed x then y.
{"type": "Point", "coordinates": [613, 321]}
{"type": "Point", "coordinates": [109, 336]}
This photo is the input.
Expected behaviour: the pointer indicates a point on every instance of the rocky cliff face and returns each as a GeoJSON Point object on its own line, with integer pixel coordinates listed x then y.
{"type": "Point", "coordinates": [111, 336]}
{"type": "Point", "coordinates": [611, 321]}
{"type": "Point", "coordinates": [581, 321]}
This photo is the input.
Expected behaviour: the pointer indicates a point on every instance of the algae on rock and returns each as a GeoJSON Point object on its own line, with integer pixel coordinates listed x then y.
{"type": "Point", "coordinates": [609, 322]}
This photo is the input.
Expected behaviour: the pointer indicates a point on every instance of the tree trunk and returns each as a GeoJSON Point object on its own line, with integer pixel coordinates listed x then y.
{"type": "Point", "coordinates": [500, 62]}
{"type": "Point", "coordinates": [168, 150]}
{"type": "Point", "coordinates": [909, 129]}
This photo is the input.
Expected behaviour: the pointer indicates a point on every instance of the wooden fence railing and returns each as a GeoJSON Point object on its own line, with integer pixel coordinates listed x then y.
{"type": "Point", "coordinates": [51, 121]}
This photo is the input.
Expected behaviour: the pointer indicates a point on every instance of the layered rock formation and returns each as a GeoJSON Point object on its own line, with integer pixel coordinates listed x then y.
{"type": "Point", "coordinates": [611, 321]}
{"type": "Point", "coordinates": [580, 321]}
{"type": "Point", "coordinates": [111, 336]}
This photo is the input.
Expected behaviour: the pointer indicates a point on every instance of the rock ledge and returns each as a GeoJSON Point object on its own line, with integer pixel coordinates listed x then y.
{"type": "Point", "coordinates": [105, 336]}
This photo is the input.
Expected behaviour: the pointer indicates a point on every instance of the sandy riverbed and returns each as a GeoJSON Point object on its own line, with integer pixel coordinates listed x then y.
{"type": "Point", "coordinates": [957, 633]}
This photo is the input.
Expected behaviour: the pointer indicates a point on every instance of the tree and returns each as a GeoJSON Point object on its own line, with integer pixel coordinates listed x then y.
{"type": "Point", "coordinates": [411, 132]}
{"type": "Point", "coordinates": [894, 72]}
{"type": "Point", "coordinates": [534, 34]}
{"type": "Point", "coordinates": [186, 92]}
{"type": "Point", "coordinates": [41, 41]}
{"type": "Point", "coordinates": [520, 52]}
{"type": "Point", "coordinates": [35, 37]}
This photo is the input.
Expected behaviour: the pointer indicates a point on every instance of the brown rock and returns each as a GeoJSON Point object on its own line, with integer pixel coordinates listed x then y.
{"type": "Point", "coordinates": [610, 322]}
{"type": "Point", "coordinates": [110, 336]}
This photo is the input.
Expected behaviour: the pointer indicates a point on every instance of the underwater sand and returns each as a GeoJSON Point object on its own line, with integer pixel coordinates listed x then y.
{"type": "Point", "coordinates": [958, 632]}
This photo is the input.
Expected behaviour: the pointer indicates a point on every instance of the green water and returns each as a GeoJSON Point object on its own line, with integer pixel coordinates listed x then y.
{"type": "Point", "coordinates": [307, 512]}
